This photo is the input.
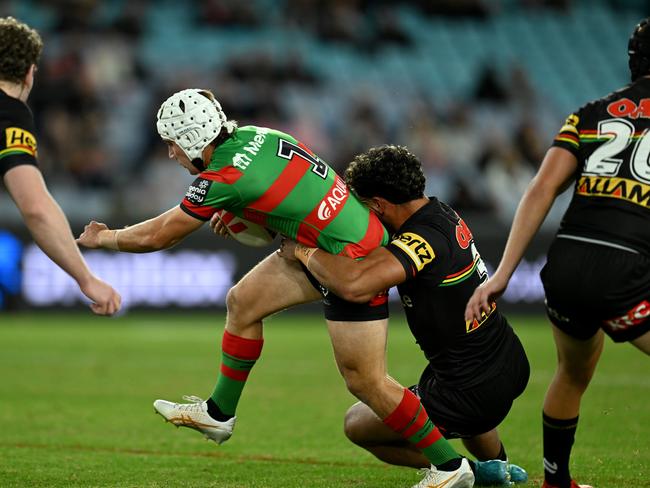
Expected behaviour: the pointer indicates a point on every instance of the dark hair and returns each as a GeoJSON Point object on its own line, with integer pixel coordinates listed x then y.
{"type": "Point", "coordinates": [20, 48]}
{"type": "Point", "coordinates": [390, 172]}
{"type": "Point", "coordinates": [638, 50]}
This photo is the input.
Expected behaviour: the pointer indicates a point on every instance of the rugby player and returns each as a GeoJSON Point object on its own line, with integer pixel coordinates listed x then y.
{"type": "Point", "coordinates": [20, 50]}
{"type": "Point", "coordinates": [597, 275]}
{"type": "Point", "coordinates": [268, 177]}
{"type": "Point", "coordinates": [475, 368]}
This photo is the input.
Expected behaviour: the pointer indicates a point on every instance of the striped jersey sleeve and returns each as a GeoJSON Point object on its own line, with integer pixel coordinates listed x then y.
{"type": "Point", "coordinates": [569, 135]}
{"type": "Point", "coordinates": [212, 191]}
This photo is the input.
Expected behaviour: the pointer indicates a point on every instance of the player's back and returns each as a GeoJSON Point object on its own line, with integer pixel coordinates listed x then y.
{"type": "Point", "coordinates": [611, 200]}
{"type": "Point", "coordinates": [270, 178]}
{"type": "Point", "coordinates": [438, 249]}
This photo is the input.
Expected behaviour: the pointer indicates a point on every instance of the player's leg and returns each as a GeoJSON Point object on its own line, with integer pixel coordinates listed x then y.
{"type": "Point", "coordinates": [643, 343]}
{"type": "Point", "coordinates": [486, 446]}
{"type": "Point", "coordinates": [365, 429]}
{"type": "Point", "coordinates": [360, 353]}
{"type": "Point", "coordinates": [492, 466]}
{"type": "Point", "coordinates": [577, 360]}
{"type": "Point", "coordinates": [272, 285]}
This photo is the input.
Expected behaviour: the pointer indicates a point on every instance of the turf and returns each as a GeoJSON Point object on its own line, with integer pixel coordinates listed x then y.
{"type": "Point", "coordinates": [76, 394]}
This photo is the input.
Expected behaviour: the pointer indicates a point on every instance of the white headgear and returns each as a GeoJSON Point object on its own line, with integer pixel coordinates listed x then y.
{"type": "Point", "coordinates": [192, 119]}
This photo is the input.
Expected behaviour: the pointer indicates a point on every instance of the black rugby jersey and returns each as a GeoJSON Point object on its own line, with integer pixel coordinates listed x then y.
{"type": "Point", "coordinates": [17, 140]}
{"type": "Point", "coordinates": [443, 269]}
{"type": "Point", "coordinates": [609, 137]}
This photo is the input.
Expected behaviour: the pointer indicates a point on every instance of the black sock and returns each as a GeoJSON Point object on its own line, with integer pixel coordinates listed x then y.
{"type": "Point", "coordinates": [215, 412]}
{"type": "Point", "coordinates": [502, 456]}
{"type": "Point", "coordinates": [558, 439]}
{"type": "Point", "coordinates": [451, 465]}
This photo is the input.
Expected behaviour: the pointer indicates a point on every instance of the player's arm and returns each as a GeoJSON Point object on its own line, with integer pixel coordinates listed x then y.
{"type": "Point", "coordinates": [353, 280]}
{"type": "Point", "coordinates": [51, 231]}
{"type": "Point", "coordinates": [154, 234]}
{"type": "Point", "coordinates": [556, 173]}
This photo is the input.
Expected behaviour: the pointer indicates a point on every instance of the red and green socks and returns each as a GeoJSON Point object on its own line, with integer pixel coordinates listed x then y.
{"type": "Point", "coordinates": [411, 421]}
{"type": "Point", "coordinates": [238, 356]}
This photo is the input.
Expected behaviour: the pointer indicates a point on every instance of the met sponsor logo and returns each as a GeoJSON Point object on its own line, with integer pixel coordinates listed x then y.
{"type": "Point", "coordinates": [335, 198]}
{"type": "Point", "coordinates": [241, 160]}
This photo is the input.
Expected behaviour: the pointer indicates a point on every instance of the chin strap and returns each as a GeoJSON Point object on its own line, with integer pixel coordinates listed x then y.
{"type": "Point", "coordinates": [198, 164]}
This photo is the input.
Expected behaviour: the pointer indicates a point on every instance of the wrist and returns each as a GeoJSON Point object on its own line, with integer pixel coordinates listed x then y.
{"type": "Point", "coordinates": [304, 253]}
{"type": "Point", "coordinates": [108, 239]}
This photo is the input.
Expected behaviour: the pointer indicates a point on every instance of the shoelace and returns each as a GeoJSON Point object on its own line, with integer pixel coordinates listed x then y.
{"type": "Point", "coordinates": [195, 403]}
{"type": "Point", "coordinates": [423, 472]}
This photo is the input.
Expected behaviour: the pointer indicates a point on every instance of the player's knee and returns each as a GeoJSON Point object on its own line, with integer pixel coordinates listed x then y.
{"type": "Point", "coordinates": [353, 425]}
{"type": "Point", "coordinates": [239, 309]}
{"type": "Point", "coordinates": [578, 376]}
{"type": "Point", "coordinates": [361, 384]}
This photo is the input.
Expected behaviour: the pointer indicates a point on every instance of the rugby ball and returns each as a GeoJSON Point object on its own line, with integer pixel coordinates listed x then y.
{"type": "Point", "coordinates": [245, 231]}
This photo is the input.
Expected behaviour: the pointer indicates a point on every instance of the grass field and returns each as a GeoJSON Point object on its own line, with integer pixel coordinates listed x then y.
{"type": "Point", "coordinates": [76, 394]}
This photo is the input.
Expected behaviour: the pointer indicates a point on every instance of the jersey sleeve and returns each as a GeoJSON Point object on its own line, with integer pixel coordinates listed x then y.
{"type": "Point", "coordinates": [421, 248]}
{"type": "Point", "coordinates": [205, 196]}
{"type": "Point", "coordinates": [17, 139]}
{"type": "Point", "coordinates": [569, 135]}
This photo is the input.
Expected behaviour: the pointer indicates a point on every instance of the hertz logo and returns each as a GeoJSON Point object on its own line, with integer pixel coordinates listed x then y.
{"type": "Point", "coordinates": [416, 248]}
{"type": "Point", "coordinates": [18, 139]}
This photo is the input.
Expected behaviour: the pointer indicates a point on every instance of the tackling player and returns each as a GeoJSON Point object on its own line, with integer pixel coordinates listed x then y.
{"type": "Point", "coordinates": [20, 50]}
{"type": "Point", "coordinates": [597, 276]}
{"type": "Point", "coordinates": [476, 368]}
{"type": "Point", "coordinates": [268, 177]}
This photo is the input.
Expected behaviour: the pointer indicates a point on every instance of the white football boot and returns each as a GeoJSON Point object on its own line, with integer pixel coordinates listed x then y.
{"type": "Point", "coordinates": [195, 416]}
{"type": "Point", "coordinates": [463, 477]}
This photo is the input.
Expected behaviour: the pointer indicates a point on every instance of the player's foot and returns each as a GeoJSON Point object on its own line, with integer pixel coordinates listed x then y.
{"type": "Point", "coordinates": [195, 416]}
{"type": "Point", "coordinates": [491, 473]}
{"type": "Point", "coordinates": [463, 477]}
{"type": "Point", "coordinates": [517, 474]}
{"type": "Point", "coordinates": [573, 485]}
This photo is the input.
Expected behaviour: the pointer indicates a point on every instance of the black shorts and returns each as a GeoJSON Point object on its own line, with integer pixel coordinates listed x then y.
{"type": "Point", "coordinates": [335, 308]}
{"type": "Point", "coordinates": [591, 286]}
{"type": "Point", "coordinates": [464, 413]}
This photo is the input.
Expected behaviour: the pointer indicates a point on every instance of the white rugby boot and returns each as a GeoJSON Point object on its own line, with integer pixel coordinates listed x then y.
{"type": "Point", "coordinates": [195, 416]}
{"type": "Point", "coordinates": [463, 477]}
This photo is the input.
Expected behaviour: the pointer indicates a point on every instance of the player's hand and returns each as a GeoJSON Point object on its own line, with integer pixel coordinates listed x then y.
{"type": "Point", "coordinates": [90, 236]}
{"type": "Point", "coordinates": [287, 249]}
{"type": "Point", "coordinates": [482, 298]}
{"type": "Point", "coordinates": [106, 301]}
{"type": "Point", "coordinates": [217, 226]}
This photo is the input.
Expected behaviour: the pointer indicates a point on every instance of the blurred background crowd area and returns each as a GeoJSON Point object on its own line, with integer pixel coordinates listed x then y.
{"type": "Point", "coordinates": [475, 88]}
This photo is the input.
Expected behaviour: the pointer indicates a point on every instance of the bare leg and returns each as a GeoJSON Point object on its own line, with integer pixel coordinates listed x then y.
{"type": "Point", "coordinates": [484, 446]}
{"type": "Point", "coordinates": [360, 353]}
{"type": "Point", "coordinates": [365, 429]}
{"type": "Point", "coordinates": [643, 343]}
{"type": "Point", "coordinates": [272, 285]}
{"type": "Point", "coordinates": [577, 362]}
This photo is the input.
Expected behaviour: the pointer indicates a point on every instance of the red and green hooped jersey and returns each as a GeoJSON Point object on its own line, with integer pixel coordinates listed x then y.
{"type": "Point", "coordinates": [17, 140]}
{"type": "Point", "coordinates": [268, 177]}
{"type": "Point", "coordinates": [610, 138]}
